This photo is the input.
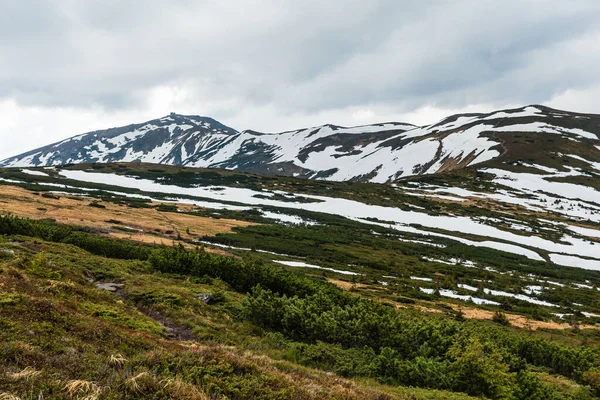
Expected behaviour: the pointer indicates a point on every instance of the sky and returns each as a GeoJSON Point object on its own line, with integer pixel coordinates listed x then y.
{"type": "Point", "coordinates": [71, 66]}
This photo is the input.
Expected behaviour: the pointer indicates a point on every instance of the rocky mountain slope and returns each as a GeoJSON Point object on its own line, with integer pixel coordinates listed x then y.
{"type": "Point", "coordinates": [371, 153]}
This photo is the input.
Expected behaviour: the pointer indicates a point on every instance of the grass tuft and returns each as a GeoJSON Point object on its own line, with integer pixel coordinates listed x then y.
{"type": "Point", "coordinates": [26, 374]}
{"type": "Point", "coordinates": [8, 396]}
{"type": "Point", "coordinates": [117, 360]}
{"type": "Point", "coordinates": [76, 388]}
{"type": "Point", "coordinates": [136, 383]}
{"type": "Point", "coordinates": [179, 389]}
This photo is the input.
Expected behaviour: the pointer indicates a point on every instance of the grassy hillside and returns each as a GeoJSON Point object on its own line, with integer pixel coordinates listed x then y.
{"type": "Point", "coordinates": [62, 337]}
{"type": "Point", "coordinates": [113, 292]}
{"type": "Point", "coordinates": [158, 336]}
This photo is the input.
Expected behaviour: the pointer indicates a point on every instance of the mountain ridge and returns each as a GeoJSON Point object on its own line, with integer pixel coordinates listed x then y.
{"type": "Point", "coordinates": [381, 152]}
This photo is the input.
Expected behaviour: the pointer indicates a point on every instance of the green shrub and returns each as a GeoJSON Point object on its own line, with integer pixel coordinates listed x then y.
{"type": "Point", "coordinates": [500, 318]}
{"type": "Point", "coordinates": [7, 299]}
{"type": "Point", "coordinates": [40, 267]}
{"type": "Point", "coordinates": [54, 232]}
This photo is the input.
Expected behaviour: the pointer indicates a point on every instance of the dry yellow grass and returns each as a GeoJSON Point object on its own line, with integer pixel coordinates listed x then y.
{"type": "Point", "coordinates": [162, 240]}
{"type": "Point", "coordinates": [141, 221]}
{"type": "Point", "coordinates": [515, 320]}
{"type": "Point", "coordinates": [117, 360]}
{"type": "Point", "coordinates": [8, 396]}
{"type": "Point", "coordinates": [347, 285]}
{"type": "Point", "coordinates": [468, 312]}
{"type": "Point", "coordinates": [135, 382]}
{"type": "Point", "coordinates": [81, 389]}
{"type": "Point", "coordinates": [182, 390]}
{"type": "Point", "coordinates": [26, 374]}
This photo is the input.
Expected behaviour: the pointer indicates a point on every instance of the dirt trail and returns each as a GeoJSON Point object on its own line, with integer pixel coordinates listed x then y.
{"type": "Point", "coordinates": [173, 330]}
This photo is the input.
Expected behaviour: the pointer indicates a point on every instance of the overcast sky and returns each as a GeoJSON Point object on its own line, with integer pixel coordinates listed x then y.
{"type": "Point", "coordinates": [71, 66]}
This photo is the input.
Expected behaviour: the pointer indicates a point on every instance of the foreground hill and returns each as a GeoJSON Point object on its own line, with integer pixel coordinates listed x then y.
{"type": "Point", "coordinates": [371, 153]}
{"type": "Point", "coordinates": [442, 286]}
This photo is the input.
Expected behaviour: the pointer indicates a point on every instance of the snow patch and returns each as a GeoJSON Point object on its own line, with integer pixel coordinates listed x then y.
{"type": "Point", "coordinates": [305, 265]}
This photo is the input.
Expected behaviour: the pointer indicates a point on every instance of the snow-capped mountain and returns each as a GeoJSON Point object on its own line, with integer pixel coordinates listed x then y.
{"type": "Point", "coordinates": [376, 153]}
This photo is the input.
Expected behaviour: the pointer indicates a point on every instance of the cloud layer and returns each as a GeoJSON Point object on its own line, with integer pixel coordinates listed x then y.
{"type": "Point", "coordinates": [70, 66]}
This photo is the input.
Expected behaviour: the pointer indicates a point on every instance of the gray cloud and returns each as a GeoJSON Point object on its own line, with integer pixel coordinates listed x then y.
{"type": "Point", "coordinates": [278, 58]}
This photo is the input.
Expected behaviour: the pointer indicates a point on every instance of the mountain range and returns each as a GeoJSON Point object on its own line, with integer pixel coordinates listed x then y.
{"type": "Point", "coordinates": [474, 270]}
{"type": "Point", "coordinates": [384, 152]}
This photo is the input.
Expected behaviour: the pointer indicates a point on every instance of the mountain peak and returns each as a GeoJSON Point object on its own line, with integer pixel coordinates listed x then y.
{"type": "Point", "coordinates": [377, 152]}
